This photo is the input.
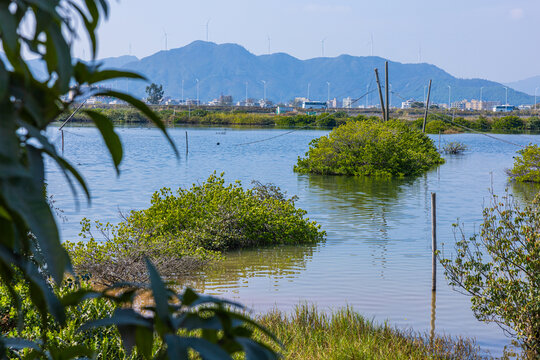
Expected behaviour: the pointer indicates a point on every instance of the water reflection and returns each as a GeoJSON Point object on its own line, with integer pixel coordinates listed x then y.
{"type": "Point", "coordinates": [525, 192]}
{"type": "Point", "coordinates": [279, 263]}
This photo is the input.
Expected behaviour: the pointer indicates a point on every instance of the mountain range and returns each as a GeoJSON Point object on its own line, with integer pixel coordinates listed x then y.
{"type": "Point", "coordinates": [224, 69]}
{"type": "Point", "coordinates": [528, 86]}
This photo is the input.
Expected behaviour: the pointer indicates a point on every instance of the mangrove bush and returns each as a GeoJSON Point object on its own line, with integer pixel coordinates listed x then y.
{"type": "Point", "coordinates": [527, 165]}
{"type": "Point", "coordinates": [371, 148]}
{"type": "Point", "coordinates": [182, 231]}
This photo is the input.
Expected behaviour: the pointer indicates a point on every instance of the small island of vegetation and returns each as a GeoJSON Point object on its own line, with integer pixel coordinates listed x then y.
{"type": "Point", "coordinates": [182, 232]}
{"type": "Point", "coordinates": [371, 148]}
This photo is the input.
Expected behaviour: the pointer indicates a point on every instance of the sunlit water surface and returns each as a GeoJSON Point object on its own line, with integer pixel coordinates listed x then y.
{"type": "Point", "coordinates": [377, 255]}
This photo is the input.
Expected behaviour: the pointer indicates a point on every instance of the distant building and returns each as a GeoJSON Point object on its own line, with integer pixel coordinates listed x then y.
{"type": "Point", "coordinates": [347, 102]}
{"type": "Point", "coordinates": [333, 103]}
{"type": "Point", "coordinates": [407, 104]}
{"type": "Point", "coordinates": [504, 108]}
{"type": "Point", "coordinates": [460, 105]}
{"type": "Point", "coordinates": [314, 105]}
{"type": "Point", "coordinates": [265, 103]}
{"type": "Point", "coordinates": [284, 109]}
{"type": "Point", "coordinates": [481, 105]}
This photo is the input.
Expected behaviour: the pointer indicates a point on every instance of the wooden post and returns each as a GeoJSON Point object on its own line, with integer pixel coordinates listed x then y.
{"type": "Point", "coordinates": [432, 322]}
{"type": "Point", "coordinates": [187, 146]}
{"type": "Point", "coordinates": [427, 108]}
{"type": "Point", "coordinates": [433, 241]}
{"type": "Point", "coordinates": [380, 94]}
{"type": "Point", "coordinates": [387, 84]}
{"type": "Point", "coordinates": [62, 131]}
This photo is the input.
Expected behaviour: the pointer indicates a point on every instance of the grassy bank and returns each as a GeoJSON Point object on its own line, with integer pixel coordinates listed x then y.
{"type": "Point", "coordinates": [345, 334]}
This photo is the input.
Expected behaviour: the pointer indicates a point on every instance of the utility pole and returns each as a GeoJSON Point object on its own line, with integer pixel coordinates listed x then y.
{"type": "Point", "coordinates": [387, 84]}
{"type": "Point", "coordinates": [427, 108]}
{"type": "Point", "coordinates": [380, 94]}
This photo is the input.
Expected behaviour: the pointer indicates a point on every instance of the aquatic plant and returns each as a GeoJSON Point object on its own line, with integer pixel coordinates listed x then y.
{"type": "Point", "coordinates": [371, 148]}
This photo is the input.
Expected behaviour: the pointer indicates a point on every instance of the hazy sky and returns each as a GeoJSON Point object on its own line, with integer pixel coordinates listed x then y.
{"type": "Point", "coordinates": [492, 39]}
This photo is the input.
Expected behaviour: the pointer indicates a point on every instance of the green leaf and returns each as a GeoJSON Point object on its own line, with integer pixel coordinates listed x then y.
{"type": "Point", "coordinates": [103, 75]}
{"type": "Point", "coordinates": [76, 297]}
{"type": "Point", "coordinates": [71, 352]}
{"type": "Point", "coordinates": [159, 293]}
{"type": "Point", "coordinates": [121, 317]}
{"type": "Point", "coordinates": [112, 141]}
{"type": "Point", "coordinates": [4, 81]}
{"type": "Point", "coordinates": [144, 339]}
{"type": "Point", "coordinates": [19, 344]}
{"type": "Point", "coordinates": [207, 350]}
{"type": "Point", "coordinates": [142, 107]}
{"type": "Point", "coordinates": [176, 349]}
{"type": "Point", "coordinates": [62, 65]}
{"type": "Point", "coordinates": [255, 350]}
{"type": "Point", "coordinates": [26, 200]}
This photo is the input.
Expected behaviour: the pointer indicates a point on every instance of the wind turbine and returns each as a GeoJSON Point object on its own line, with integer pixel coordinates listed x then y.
{"type": "Point", "coordinates": [165, 39]}
{"type": "Point", "coordinates": [207, 23]}
{"type": "Point", "coordinates": [322, 44]}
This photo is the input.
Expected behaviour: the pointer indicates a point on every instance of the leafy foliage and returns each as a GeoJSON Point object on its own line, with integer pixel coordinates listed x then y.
{"type": "Point", "coordinates": [181, 232]}
{"type": "Point", "coordinates": [372, 148]}
{"type": "Point", "coordinates": [155, 93]}
{"type": "Point", "coordinates": [510, 122]}
{"type": "Point", "coordinates": [30, 248]}
{"type": "Point", "coordinates": [500, 269]}
{"type": "Point", "coordinates": [527, 165]}
{"type": "Point", "coordinates": [104, 342]}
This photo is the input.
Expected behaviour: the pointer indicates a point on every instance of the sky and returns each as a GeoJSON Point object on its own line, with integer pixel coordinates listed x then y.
{"type": "Point", "coordinates": [489, 39]}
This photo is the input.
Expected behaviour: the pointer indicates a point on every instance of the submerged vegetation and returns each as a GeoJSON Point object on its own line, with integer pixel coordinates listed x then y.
{"type": "Point", "coordinates": [345, 334]}
{"type": "Point", "coordinates": [181, 232]}
{"type": "Point", "coordinates": [454, 148]}
{"type": "Point", "coordinates": [370, 148]}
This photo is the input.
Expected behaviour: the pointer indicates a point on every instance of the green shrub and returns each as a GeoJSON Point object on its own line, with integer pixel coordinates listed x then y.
{"type": "Point", "coordinates": [437, 126]}
{"type": "Point", "coordinates": [500, 269]}
{"type": "Point", "coordinates": [527, 165]}
{"type": "Point", "coordinates": [481, 124]}
{"type": "Point", "coordinates": [372, 148]}
{"type": "Point", "coordinates": [181, 232]}
{"type": "Point", "coordinates": [510, 122]}
{"type": "Point", "coordinates": [104, 342]}
{"type": "Point", "coordinates": [532, 123]}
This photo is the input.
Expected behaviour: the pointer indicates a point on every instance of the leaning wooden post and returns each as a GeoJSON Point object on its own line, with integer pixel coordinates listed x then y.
{"type": "Point", "coordinates": [433, 241]}
{"type": "Point", "coordinates": [62, 132]}
{"type": "Point", "coordinates": [380, 94]}
{"type": "Point", "coordinates": [387, 84]}
{"type": "Point", "coordinates": [427, 108]}
{"type": "Point", "coordinates": [187, 146]}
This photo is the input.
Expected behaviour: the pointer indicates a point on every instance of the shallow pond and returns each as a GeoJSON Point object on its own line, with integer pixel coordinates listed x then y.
{"type": "Point", "coordinates": [377, 256]}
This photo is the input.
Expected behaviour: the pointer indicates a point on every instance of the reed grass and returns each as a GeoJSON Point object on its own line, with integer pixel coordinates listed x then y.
{"type": "Point", "coordinates": [308, 333]}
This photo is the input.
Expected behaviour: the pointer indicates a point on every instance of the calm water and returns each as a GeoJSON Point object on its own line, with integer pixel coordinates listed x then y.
{"type": "Point", "coordinates": [377, 256]}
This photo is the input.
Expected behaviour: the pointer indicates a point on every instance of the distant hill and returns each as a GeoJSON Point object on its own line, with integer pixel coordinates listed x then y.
{"type": "Point", "coordinates": [225, 69]}
{"type": "Point", "coordinates": [527, 85]}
